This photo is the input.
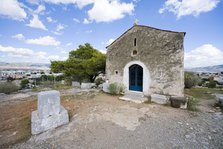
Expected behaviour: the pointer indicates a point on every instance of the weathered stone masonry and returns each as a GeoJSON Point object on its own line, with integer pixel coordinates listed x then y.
{"type": "Point", "coordinates": [159, 52]}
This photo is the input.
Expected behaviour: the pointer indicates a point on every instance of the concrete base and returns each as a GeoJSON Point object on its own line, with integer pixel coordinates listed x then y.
{"type": "Point", "coordinates": [40, 125]}
{"type": "Point", "coordinates": [160, 99]}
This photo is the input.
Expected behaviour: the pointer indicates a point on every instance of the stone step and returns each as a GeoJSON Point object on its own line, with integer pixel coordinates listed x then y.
{"type": "Point", "coordinates": [136, 97]}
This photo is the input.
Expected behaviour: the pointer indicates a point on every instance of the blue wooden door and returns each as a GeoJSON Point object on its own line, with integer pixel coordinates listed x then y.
{"type": "Point", "coordinates": [135, 78]}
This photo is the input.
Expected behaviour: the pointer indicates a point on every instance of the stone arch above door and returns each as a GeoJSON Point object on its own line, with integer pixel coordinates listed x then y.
{"type": "Point", "coordinates": [146, 76]}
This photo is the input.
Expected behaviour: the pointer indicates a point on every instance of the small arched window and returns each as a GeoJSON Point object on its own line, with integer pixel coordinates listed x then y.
{"type": "Point", "coordinates": [134, 52]}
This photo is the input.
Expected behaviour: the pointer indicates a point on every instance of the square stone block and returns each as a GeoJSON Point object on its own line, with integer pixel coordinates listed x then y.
{"type": "Point", "coordinates": [87, 85]}
{"type": "Point", "coordinates": [48, 103]}
{"type": "Point", "coordinates": [105, 87]}
{"type": "Point", "coordinates": [76, 84]}
{"type": "Point", "coordinates": [159, 99]}
{"type": "Point", "coordinates": [40, 125]}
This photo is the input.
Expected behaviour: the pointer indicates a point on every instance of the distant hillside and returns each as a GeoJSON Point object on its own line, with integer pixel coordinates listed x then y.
{"type": "Point", "coordinates": [37, 66]}
{"type": "Point", "coordinates": [216, 68]}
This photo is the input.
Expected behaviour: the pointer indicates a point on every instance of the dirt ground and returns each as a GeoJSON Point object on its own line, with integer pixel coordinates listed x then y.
{"type": "Point", "coordinates": [99, 120]}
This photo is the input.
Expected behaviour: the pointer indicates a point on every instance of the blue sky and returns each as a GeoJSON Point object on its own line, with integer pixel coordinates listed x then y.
{"type": "Point", "coordinates": [44, 30]}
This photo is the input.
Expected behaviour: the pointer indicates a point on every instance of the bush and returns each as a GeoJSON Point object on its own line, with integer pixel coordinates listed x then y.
{"type": "Point", "coordinates": [99, 81]}
{"type": "Point", "coordinates": [116, 88]}
{"type": "Point", "coordinates": [211, 84]}
{"type": "Point", "coordinates": [192, 104]}
{"type": "Point", "coordinates": [8, 88]}
{"type": "Point", "coordinates": [24, 83]}
{"type": "Point", "coordinates": [191, 79]}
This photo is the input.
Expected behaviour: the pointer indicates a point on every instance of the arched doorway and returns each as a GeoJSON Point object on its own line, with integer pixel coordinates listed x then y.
{"type": "Point", "coordinates": [136, 78]}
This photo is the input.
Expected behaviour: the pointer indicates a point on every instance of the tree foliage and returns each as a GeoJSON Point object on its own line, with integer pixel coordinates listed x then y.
{"type": "Point", "coordinates": [83, 64]}
{"type": "Point", "coordinates": [24, 83]}
{"type": "Point", "coordinates": [191, 79]}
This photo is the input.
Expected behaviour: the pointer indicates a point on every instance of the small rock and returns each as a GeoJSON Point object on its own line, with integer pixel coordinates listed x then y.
{"type": "Point", "coordinates": [211, 111]}
{"type": "Point", "coordinates": [187, 124]}
{"type": "Point", "coordinates": [209, 137]}
{"type": "Point", "coordinates": [191, 128]}
{"type": "Point", "coordinates": [187, 136]}
{"type": "Point", "coordinates": [213, 131]}
{"type": "Point", "coordinates": [180, 123]}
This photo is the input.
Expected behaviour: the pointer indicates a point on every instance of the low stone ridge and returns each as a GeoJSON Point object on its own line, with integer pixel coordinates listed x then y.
{"type": "Point", "coordinates": [49, 114]}
{"type": "Point", "coordinates": [160, 99]}
{"type": "Point", "coordinates": [178, 102]}
{"type": "Point", "coordinates": [87, 85]}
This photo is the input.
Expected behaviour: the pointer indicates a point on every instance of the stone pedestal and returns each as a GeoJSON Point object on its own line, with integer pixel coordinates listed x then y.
{"type": "Point", "coordinates": [50, 114]}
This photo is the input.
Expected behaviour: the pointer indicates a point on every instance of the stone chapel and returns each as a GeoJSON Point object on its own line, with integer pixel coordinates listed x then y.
{"type": "Point", "coordinates": [147, 60]}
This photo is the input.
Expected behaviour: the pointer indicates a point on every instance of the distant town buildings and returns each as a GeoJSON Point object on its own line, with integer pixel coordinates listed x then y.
{"type": "Point", "coordinates": [218, 76]}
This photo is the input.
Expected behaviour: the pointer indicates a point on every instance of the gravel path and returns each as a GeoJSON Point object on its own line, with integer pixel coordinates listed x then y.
{"type": "Point", "coordinates": [106, 122]}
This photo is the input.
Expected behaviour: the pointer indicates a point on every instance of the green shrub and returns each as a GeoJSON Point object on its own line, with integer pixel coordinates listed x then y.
{"type": "Point", "coordinates": [99, 81]}
{"type": "Point", "coordinates": [191, 79]}
{"type": "Point", "coordinates": [192, 104]}
{"type": "Point", "coordinates": [211, 84]}
{"type": "Point", "coordinates": [116, 88]}
{"type": "Point", "coordinates": [24, 83]}
{"type": "Point", "coordinates": [8, 87]}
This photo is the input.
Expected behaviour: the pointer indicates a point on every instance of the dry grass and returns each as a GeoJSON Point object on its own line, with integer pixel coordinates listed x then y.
{"type": "Point", "coordinates": [15, 118]}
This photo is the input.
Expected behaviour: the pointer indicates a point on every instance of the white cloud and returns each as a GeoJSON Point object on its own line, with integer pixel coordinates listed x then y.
{"type": "Point", "coordinates": [88, 31]}
{"type": "Point", "coordinates": [16, 51]}
{"type": "Point", "coordinates": [41, 55]}
{"type": "Point", "coordinates": [12, 9]}
{"type": "Point", "coordinates": [18, 36]}
{"type": "Point", "coordinates": [69, 44]}
{"type": "Point", "coordinates": [53, 57]}
{"type": "Point", "coordinates": [205, 55]}
{"type": "Point", "coordinates": [57, 33]}
{"type": "Point", "coordinates": [79, 3]}
{"type": "Point", "coordinates": [51, 20]}
{"type": "Point", "coordinates": [33, 2]}
{"type": "Point", "coordinates": [188, 7]}
{"type": "Point", "coordinates": [27, 54]}
{"type": "Point", "coordinates": [40, 9]}
{"type": "Point", "coordinates": [109, 41]}
{"type": "Point", "coordinates": [63, 52]}
{"type": "Point", "coordinates": [44, 41]}
{"type": "Point", "coordinates": [60, 27]}
{"type": "Point", "coordinates": [86, 21]}
{"type": "Point", "coordinates": [108, 11]}
{"type": "Point", "coordinates": [76, 20]}
{"type": "Point", "coordinates": [36, 23]}
{"type": "Point", "coordinates": [102, 10]}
